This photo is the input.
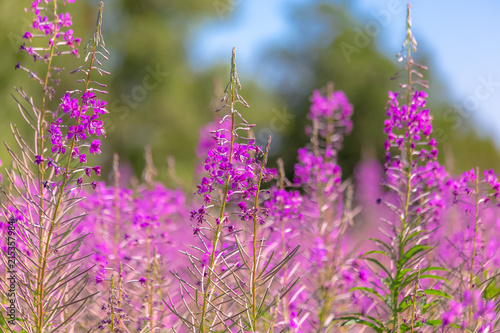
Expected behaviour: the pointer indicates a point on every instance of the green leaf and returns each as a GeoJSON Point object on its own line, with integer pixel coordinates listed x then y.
{"type": "Point", "coordinates": [437, 293]}
{"type": "Point", "coordinates": [356, 320]}
{"type": "Point", "coordinates": [491, 290]}
{"type": "Point", "coordinates": [429, 305]}
{"type": "Point", "coordinates": [411, 236]}
{"type": "Point", "coordinates": [370, 290]}
{"type": "Point", "coordinates": [432, 276]}
{"type": "Point", "coordinates": [434, 268]}
{"type": "Point", "coordinates": [383, 244]}
{"type": "Point", "coordinates": [410, 278]}
{"type": "Point", "coordinates": [273, 271]}
{"type": "Point", "coordinates": [377, 252]}
{"type": "Point", "coordinates": [434, 322]}
{"type": "Point", "coordinates": [376, 262]}
{"type": "Point", "coordinates": [412, 253]}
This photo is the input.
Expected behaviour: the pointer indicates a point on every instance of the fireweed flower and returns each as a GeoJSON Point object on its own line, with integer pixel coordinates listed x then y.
{"type": "Point", "coordinates": [84, 111]}
{"type": "Point", "coordinates": [234, 169]}
{"type": "Point", "coordinates": [240, 170]}
{"type": "Point", "coordinates": [459, 312]}
{"type": "Point", "coordinates": [452, 221]}
{"type": "Point", "coordinates": [409, 147]}
{"type": "Point", "coordinates": [143, 229]}
{"type": "Point", "coordinates": [58, 31]}
{"type": "Point", "coordinates": [415, 181]}
{"type": "Point", "coordinates": [233, 174]}
{"type": "Point", "coordinates": [208, 140]}
{"type": "Point", "coordinates": [283, 204]}
{"type": "Point", "coordinates": [331, 116]}
{"type": "Point", "coordinates": [335, 106]}
{"type": "Point", "coordinates": [51, 178]}
{"type": "Point", "coordinates": [323, 169]}
{"type": "Point", "coordinates": [472, 251]}
{"type": "Point", "coordinates": [409, 124]}
{"type": "Point", "coordinates": [63, 137]}
{"type": "Point", "coordinates": [320, 207]}
{"type": "Point", "coordinates": [476, 199]}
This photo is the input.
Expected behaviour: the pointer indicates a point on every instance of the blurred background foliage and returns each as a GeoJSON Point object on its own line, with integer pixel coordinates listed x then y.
{"type": "Point", "coordinates": [166, 109]}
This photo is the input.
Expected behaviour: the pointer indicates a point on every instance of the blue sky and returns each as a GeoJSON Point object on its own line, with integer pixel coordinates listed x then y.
{"type": "Point", "coordinates": [463, 38]}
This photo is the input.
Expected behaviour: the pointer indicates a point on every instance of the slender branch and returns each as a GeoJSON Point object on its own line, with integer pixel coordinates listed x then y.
{"type": "Point", "coordinates": [254, 240]}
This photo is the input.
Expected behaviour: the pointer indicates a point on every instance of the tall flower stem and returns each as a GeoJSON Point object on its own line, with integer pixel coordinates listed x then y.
{"type": "Point", "coordinates": [476, 224]}
{"type": "Point", "coordinates": [149, 173]}
{"type": "Point", "coordinates": [402, 234]}
{"type": "Point", "coordinates": [255, 240]}
{"type": "Point", "coordinates": [216, 240]}
{"type": "Point", "coordinates": [112, 305]}
{"type": "Point", "coordinates": [281, 169]}
{"type": "Point", "coordinates": [325, 214]}
{"type": "Point", "coordinates": [474, 242]}
{"type": "Point", "coordinates": [409, 173]}
{"type": "Point", "coordinates": [46, 241]}
{"type": "Point", "coordinates": [116, 224]}
{"type": "Point", "coordinates": [39, 149]}
{"type": "Point", "coordinates": [149, 279]}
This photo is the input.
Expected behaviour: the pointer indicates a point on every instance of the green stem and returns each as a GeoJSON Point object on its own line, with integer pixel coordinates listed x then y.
{"type": "Point", "coordinates": [474, 242]}
{"type": "Point", "coordinates": [254, 240]}
{"type": "Point", "coordinates": [112, 307]}
{"type": "Point", "coordinates": [149, 279]}
{"type": "Point", "coordinates": [414, 305]}
{"type": "Point", "coordinates": [116, 224]}
{"type": "Point", "coordinates": [120, 286]}
{"type": "Point", "coordinates": [476, 224]}
{"type": "Point", "coordinates": [211, 265]}
{"type": "Point", "coordinates": [41, 178]}
{"type": "Point", "coordinates": [281, 169]}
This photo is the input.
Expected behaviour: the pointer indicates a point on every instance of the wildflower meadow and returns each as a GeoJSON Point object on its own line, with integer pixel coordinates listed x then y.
{"type": "Point", "coordinates": [402, 245]}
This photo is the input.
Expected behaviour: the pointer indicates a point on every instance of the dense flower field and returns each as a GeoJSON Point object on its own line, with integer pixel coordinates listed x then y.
{"type": "Point", "coordinates": [403, 246]}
